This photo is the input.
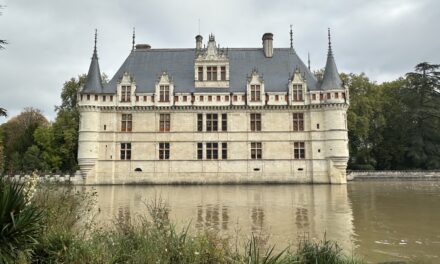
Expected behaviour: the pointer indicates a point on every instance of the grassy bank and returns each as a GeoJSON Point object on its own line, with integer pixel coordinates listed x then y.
{"type": "Point", "coordinates": [64, 231]}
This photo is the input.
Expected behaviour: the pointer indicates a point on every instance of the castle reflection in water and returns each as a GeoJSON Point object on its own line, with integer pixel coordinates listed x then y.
{"type": "Point", "coordinates": [282, 212]}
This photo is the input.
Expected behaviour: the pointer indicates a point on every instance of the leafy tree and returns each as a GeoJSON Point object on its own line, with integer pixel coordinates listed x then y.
{"type": "Point", "coordinates": [3, 112]}
{"type": "Point", "coordinates": [421, 96]}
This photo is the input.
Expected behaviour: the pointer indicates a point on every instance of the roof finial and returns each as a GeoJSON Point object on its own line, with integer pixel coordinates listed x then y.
{"type": "Point", "coordinates": [134, 37]}
{"type": "Point", "coordinates": [291, 37]}
{"type": "Point", "coordinates": [329, 43]}
{"type": "Point", "coordinates": [95, 50]}
{"type": "Point", "coordinates": [308, 56]}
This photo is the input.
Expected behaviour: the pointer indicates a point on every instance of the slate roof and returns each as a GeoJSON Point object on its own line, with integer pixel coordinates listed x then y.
{"type": "Point", "coordinates": [146, 65]}
{"type": "Point", "coordinates": [93, 82]}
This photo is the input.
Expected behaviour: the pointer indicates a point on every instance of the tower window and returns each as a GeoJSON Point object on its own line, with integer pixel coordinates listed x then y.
{"type": "Point", "coordinates": [256, 122]}
{"type": "Point", "coordinates": [299, 151]}
{"type": "Point", "coordinates": [298, 122]}
{"type": "Point", "coordinates": [164, 150]}
{"type": "Point", "coordinates": [256, 150]}
{"type": "Point", "coordinates": [164, 122]}
{"type": "Point", "coordinates": [125, 151]}
{"type": "Point", "coordinates": [126, 123]}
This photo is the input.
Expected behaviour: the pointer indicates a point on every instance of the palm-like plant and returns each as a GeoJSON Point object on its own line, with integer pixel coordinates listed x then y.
{"type": "Point", "coordinates": [3, 112]}
{"type": "Point", "coordinates": [20, 222]}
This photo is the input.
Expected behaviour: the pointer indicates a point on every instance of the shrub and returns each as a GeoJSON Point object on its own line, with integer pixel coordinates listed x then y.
{"type": "Point", "coordinates": [20, 221]}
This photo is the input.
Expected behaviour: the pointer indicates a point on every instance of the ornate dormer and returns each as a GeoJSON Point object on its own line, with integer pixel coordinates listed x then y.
{"type": "Point", "coordinates": [164, 91]}
{"type": "Point", "coordinates": [211, 66]}
{"type": "Point", "coordinates": [126, 89]}
{"type": "Point", "coordinates": [297, 88]}
{"type": "Point", "coordinates": [255, 89]}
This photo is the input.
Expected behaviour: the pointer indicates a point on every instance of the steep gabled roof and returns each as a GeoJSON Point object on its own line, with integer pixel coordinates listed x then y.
{"type": "Point", "coordinates": [93, 82]}
{"type": "Point", "coordinates": [145, 65]}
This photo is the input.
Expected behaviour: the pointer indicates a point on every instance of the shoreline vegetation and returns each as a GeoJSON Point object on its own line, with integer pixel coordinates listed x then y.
{"type": "Point", "coordinates": [50, 223]}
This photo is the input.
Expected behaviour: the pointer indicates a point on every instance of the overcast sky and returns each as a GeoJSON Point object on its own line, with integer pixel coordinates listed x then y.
{"type": "Point", "coordinates": [52, 40]}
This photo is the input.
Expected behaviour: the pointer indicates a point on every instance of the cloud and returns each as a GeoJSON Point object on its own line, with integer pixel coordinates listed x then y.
{"type": "Point", "coordinates": [51, 41]}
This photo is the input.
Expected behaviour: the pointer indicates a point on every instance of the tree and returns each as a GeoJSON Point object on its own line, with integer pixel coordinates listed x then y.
{"type": "Point", "coordinates": [3, 112]}
{"type": "Point", "coordinates": [421, 96]}
{"type": "Point", "coordinates": [2, 41]}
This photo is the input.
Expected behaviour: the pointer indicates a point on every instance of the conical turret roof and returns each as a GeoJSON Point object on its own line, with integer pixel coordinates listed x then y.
{"type": "Point", "coordinates": [331, 79]}
{"type": "Point", "coordinates": [93, 83]}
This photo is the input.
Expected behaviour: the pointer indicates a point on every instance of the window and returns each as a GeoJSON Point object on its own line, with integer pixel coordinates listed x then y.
{"type": "Point", "coordinates": [321, 96]}
{"type": "Point", "coordinates": [317, 126]}
{"type": "Point", "coordinates": [336, 95]}
{"type": "Point", "coordinates": [176, 98]}
{"type": "Point", "coordinates": [234, 98]}
{"type": "Point", "coordinates": [145, 98]}
{"type": "Point", "coordinates": [111, 98]}
{"type": "Point", "coordinates": [125, 93]}
{"type": "Point", "coordinates": [313, 96]}
{"type": "Point", "coordinates": [255, 93]}
{"type": "Point", "coordinates": [218, 98]}
{"type": "Point", "coordinates": [164, 150]}
{"type": "Point", "coordinates": [224, 150]}
{"type": "Point", "coordinates": [164, 123]}
{"type": "Point", "coordinates": [185, 98]}
{"type": "Point", "coordinates": [88, 97]}
{"type": "Point", "coordinates": [256, 150]}
{"type": "Point", "coordinates": [298, 121]}
{"type": "Point", "coordinates": [199, 122]}
{"type": "Point", "coordinates": [81, 97]}
{"type": "Point", "coordinates": [329, 95]}
{"type": "Point", "coordinates": [223, 73]}
{"type": "Point", "coordinates": [164, 93]}
{"type": "Point", "coordinates": [343, 95]}
{"type": "Point", "coordinates": [125, 151]}
{"type": "Point", "coordinates": [211, 122]}
{"type": "Point", "coordinates": [199, 151]}
{"type": "Point", "coordinates": [227, 98]}
{"type": "Point", "coordinates": [96, 97]}
{"type": "Point", "coordinates": [277, 97]}
{"type": "Point", "coordinates": [297, 92]}
{"type": "Point", "coordinates": [211, 150]}
{"type": "Point", "coordinates": [255, 122]}
{"type": "Point", "coordinates": [299, 151]}
{"type": "Point", "coordinates": [200, 73]}
{"type": "Point", "coordinates": [126, 123]}
{"type": "Point", "coordinates": [211, 73]}
{"type": "Point", "coordinates": [137, 98]}
{"type": "Point", "coordinates": [224, 122]}
{"type": "Point", "coordinates": [104, 98]}
{"type": "Point", "coordinates": [209, 98]}
{"type": "Point", "coordinates": [201, 98]}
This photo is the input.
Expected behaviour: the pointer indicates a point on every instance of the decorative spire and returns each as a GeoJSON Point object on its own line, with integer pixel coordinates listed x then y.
{"type": "Point", "coordinates": [308, 60]}
{"type": "Point", "coordinates": [133, 41]}
{"type": "Point", "coordinates": [93, 82]}
{"type": "Point", "coordinates": [291, 37]}
{"type": "Point", "coordinates": [330, 51]}
{"type": "Point", "coordinates": [95, 51]}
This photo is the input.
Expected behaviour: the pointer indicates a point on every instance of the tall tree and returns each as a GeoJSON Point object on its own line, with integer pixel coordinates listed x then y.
{"type": "Point", "coordinates": [421, 95]}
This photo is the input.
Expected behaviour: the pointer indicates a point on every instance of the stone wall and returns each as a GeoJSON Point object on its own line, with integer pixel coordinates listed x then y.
{"type": "Point", "coordinates": [393, 175]}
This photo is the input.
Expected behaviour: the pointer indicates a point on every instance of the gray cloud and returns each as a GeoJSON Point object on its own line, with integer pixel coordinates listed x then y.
{"type": "Point", "coordinates": [51, 40]}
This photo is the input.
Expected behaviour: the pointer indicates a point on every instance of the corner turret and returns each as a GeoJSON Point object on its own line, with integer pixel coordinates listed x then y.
{"type": "Point", "coordinates": [93, 83]}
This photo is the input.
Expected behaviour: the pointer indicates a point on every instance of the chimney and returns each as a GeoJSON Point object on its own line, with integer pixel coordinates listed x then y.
{"type": "Point", "coordinates": [268, 45]}
{"type": "Point", "coordinates": [199, 40]}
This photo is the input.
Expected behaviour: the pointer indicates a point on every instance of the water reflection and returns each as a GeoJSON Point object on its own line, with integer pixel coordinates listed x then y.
{"type": "Point", "coordinates": [284, 212]}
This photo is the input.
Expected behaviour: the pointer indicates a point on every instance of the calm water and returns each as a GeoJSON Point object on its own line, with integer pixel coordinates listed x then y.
{"type": "Point", "coordinates": [380, 221]}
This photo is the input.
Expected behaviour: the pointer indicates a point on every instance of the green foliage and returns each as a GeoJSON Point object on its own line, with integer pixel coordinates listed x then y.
{"type": "Point", "coordinates": [20, 222]}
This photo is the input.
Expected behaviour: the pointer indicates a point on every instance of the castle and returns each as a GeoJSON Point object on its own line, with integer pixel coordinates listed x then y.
{"type": "Point", "coordinates": [213, 115]}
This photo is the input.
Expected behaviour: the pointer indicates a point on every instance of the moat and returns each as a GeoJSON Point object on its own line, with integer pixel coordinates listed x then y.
{"type": "Point", "coordinates": [380, 221]}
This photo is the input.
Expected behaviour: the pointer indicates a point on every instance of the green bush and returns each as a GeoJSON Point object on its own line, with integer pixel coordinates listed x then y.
{"type": "Point", "coordinates": [20, 222]}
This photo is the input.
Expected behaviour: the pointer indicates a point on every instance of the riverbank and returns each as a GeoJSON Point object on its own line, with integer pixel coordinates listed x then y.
{"type": "Point", "coordinates": [393, 175]}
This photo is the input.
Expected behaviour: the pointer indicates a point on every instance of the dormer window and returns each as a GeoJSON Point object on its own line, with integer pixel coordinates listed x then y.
{"type": "Point", "coordinates": [125, 93]}
{"type": "Point", "coordinates": [200, 73]}
{"type": "Point", "coordinates": [297, 92]}
{"type": "Point", "coordinates": [223, 73]}
{"type": "Point", "coordinates": [255, 93]}
{"type": "Point", "coordinates": [211, 73]}
{"type": "Point", "coordinates": [164, 95]}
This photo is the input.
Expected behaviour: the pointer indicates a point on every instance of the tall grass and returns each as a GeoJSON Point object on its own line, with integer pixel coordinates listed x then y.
{"type": "Point", "coordinates": [69, 235]}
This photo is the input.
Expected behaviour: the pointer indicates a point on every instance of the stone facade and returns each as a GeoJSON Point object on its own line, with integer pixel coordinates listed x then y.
{"type": "Point", "coordinates": [212, 133]}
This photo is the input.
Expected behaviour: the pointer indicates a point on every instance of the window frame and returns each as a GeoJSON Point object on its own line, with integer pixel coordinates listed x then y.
{"type": "Point", "coordinates": [256, 150]}
{"type": "Point", "coordinates": [211, 122]}
{"type": "Point", "coordinates": [297, 93]}
{"type": "Point", "coordinates": [299, 150]}
{"type": "Point", "coordinates": [126, 93]}
{"type": "Point", "coordinates": [212, 150]}
{"type": "Point", "coordinates": [126, 122]}
{"type": "Point", "coordinates": [165, 122]}
{"type": "Point", "coordinates": [298, 121]}
{"type": "Point", "coordinates": [164, 93]}
{"type": "Point", "coordinates": [255, 92]}
{"type": "Point", "coordinates": [255, 122]}
{"type": "Point", "coordinates": [125, 152]}
{"type": "Point", "coordinates": [164, 150]}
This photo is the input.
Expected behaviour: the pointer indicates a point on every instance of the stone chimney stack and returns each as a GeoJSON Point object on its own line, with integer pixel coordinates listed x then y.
{"type": "Point", "coordinates": [199, 40]}
{"type": "Point", "coordinates": [268, 45]}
